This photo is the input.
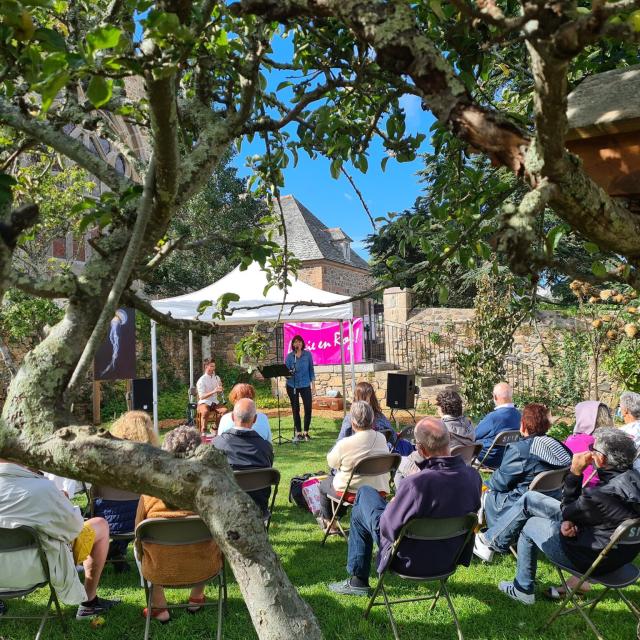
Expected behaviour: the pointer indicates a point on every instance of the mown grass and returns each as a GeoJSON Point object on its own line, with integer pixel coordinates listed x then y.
{"type": "Point", "coordinates": [483, 611]}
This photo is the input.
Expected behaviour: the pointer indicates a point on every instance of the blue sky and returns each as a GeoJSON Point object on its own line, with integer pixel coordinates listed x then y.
{"type": "Point", "coordinates": [335, 202]}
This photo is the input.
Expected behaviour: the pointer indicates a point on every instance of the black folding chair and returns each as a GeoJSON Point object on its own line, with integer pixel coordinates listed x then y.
{"type": "Point", "coordinates": [255, 479]}
{"type": "Point", "coordinates": [627, 533]}
{"type": "Point", "coordinates": [427, 530]}
{"type": "Point", "coordinates": [22, 539]}
{"type": "Point", "coordinates": [374, 465]}
{"type": "Point", "coordinates": [469, 452]}
{"type": "Point", "coordinates": [501, 440]}
{"type": "Point", "coordinates": [173, 532]}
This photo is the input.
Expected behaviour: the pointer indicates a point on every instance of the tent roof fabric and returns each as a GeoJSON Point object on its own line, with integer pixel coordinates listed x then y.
{"type": "Point", "coordinates": [249, 285]}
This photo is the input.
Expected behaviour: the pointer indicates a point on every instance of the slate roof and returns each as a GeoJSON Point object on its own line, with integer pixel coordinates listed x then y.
{"type": "Point", "coordinates": [310, 239]}
{"type": "Point", "coordinates": [605, 102]}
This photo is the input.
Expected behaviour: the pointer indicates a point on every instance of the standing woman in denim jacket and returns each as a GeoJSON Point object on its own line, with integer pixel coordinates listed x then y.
{"type": "Point", "coordinates": [301, 384]}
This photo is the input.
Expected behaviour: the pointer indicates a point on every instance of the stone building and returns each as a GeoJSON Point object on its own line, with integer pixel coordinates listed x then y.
{"type": "Point", "coordinates": [327, 260]}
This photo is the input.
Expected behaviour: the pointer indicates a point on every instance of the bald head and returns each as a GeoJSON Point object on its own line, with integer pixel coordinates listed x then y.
{"type": "Point", "coordinates": [502, 393]}
{"type": "Point", "coordinates": [432, 438]}
{"type": "Point", "coordinates": [244, 413]}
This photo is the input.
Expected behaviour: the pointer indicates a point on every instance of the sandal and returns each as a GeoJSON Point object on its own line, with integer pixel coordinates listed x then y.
{"type": "Point", "coordinates": [197, 602]}
{"type": "Point", "coordinates": [156, 612]}
{"type": "Point", "coordinates": [558, 593]}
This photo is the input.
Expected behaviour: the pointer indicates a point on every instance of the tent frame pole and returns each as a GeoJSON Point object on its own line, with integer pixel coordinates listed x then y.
{"type": "Point", "coordinates": [154, 375]}
{"type": "Point", "coordinates": [344, 386]}
{"type": "Point", "coordinates": [352, 360]}
{"type": "Point", "coordinates": [190, 359]}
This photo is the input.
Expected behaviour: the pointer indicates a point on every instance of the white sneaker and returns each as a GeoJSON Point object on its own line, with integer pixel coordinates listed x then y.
{"type": "Point", "coordinates": [481, 549]}
{"type": "Point", "coordinates": [509, 589]}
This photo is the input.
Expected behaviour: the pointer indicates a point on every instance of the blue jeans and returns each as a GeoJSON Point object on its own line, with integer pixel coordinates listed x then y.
{"type": "Point", "coordinates": [534, 521]}
{"type": "Point", "coordinates": [364, 530]}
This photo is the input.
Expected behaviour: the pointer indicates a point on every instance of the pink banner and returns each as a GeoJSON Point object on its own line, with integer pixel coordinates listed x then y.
{"type": "Point", "coordinates": [322, 339]}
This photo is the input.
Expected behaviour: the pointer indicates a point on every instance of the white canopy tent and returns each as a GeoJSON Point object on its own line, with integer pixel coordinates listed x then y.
{"type": "Point", "coordinates": [252, 307]}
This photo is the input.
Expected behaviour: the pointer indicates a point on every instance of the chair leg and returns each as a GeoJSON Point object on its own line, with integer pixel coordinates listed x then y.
{"type": "Point", "coordinates": [220, 603]}
{"type": "Point", "coordinates": [224, 582]}
{"type": "Point", "coordinates": [594, 602]}
{"type": "Point", "coordinates": [435, 599]}
{"type": "Point", "coordinates": [565, 602]}
{"type": "Point", "coordinates": [445, 592]}
{"type": "Point", "coordinates": [374, 595]}
{"type": "Point", "coordinates": [43, 621]}
{"type": "Point", "coordinates": [629, 604]}
{"type": "Point", "coordinates": [147, 624]}
{"type": "Point", "coordinates": [334, 515]}
{"type": "Point", "coordinates": [60, 616]}
{"type": "Point", "coordinates": [394, 628]}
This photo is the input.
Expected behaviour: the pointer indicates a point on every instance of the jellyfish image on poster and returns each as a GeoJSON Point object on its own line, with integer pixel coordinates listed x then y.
{"type": "Point", "coordinates": [118, 321]}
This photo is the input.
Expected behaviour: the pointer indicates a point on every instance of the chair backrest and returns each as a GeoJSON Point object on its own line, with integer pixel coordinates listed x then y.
{"type": "Point", "coordinates": [376, 465]}
{"type": "Point", "coordinates": [548, 481]}
{"type": "Point", "coordinates": [173, 531]}
{"type": "Point", "coordinates": [467, 451]}
{"type": "Point", "coordinates": [627, 532]}
{"type": "Point", "coordinates": [20, 539]}
{"type": "Point", "coordinates": [434, 529]}
{"type": "Point", "coordinates": [255, 479]}
{"type": "Point", "coordinates": [506, 437]}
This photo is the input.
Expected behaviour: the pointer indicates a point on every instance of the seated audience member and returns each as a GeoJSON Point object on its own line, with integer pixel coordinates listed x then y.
{"type": "Point", "coordinates": [28, 499]}
{"type": "Point", "coordinates": [246, 449]}
{"type": "Point", "coordinates": [505, 417]}
{"type": "Point", "coordinates": [445, 487]}
{"type": "Point", "coordinates": [574, 531]}
{"type": "Point", "coordinates": [366, 393]}
{"type": "Point", "coordinates": [523, 460]}
{"type": "Point", "coordinates": [183, 564]}
{"type": "Point", "coordinates": [590, 415]}
{"type": "Point", "coordinates": [261, 425]}
{"type": "Point", "coordinates": [121, 514]}
{"type": "Point", "coordinates": [460, 428]}
{"type": "Point", "coordinates": [346, 453]}
{"type": "Point", "coordinates": [70, 488]}
{"type": "Point", "coordinates": [630, 410]}
{"type": "Point", "coordinates": [209, 386]}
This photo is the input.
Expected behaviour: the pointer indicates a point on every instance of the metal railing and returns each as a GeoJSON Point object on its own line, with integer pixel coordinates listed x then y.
{"type": "Point", "coordinates": [433, 355]}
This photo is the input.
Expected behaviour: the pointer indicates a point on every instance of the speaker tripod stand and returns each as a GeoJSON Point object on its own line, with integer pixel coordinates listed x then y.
{"type": "Point", "coordinates": [277, 371]}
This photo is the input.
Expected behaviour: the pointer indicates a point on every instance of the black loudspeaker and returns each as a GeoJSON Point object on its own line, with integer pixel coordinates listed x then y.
{"type": "Point", "coordinates": [142, 394]}
{"type": "Point", "coordinates": [401, 390]}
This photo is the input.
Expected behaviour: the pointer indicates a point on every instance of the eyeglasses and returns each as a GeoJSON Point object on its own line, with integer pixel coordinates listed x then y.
{"type": "Point", "coordinates": [594, 450]}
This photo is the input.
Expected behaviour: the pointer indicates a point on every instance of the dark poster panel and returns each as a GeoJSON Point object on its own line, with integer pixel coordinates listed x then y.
{"type": "Point", "coordinates": [116, 356]}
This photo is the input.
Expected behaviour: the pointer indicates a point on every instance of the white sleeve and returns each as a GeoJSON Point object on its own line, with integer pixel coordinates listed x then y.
{"type": "Point", "coordinates": [200, 387]}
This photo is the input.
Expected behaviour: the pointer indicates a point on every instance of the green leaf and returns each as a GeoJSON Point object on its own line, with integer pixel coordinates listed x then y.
{"type": "Point", "coordinates": [204, 305]}
{"type": "Point", "coordinates": [99, 91]}
{"type": "Point", "coordinates": [436, 7]}
{"type": "Point", "coordinates": [443, 294]}
{"type": "Point", "coordinates": [591, 247]}
{"type": "Point", "coordinates": [52, 88]}
{"type": "Point", "coordinates": [599, 270]}
{"type": "Point", "coordinates": [103, 38]}
{"type": "Point", "coordinates": [553, 238]}
{"type": "Point", "coordinates": [222, 40]}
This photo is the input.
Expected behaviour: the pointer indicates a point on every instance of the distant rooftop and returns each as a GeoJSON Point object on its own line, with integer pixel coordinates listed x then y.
{"type": "Point", "coordinates": [606, 102]}
{"type": "Point", "coordinates": [310, 239]}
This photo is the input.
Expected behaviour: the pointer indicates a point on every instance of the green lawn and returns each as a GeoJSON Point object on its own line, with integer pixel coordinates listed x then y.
{"type": "Point", "coordinates": [484, 612]}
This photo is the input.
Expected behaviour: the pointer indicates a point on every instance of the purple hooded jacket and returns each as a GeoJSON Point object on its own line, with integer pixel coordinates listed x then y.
{"type": "Point", "coordinates": [444, 488]}
{"type": "Point", "coordinates": [582, 438]}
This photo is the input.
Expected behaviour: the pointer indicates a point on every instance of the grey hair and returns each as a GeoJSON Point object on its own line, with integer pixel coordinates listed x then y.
{"type": "Point", "coordinates": [432, 434]}
{"type": "Point", "coordinates": [630, 401]}
{"type": "Point", "coordinates": [182, 441]}
{"type": "Point", "coordinates": [244, 411]}
{"type": "Point", "coordinates": [361, 415]}
{"type": "Point", "coordinates": [617, 446]}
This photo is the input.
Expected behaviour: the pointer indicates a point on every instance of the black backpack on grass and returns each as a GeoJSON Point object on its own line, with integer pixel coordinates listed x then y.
{"type": "Point", "coordinates": [295, 489]}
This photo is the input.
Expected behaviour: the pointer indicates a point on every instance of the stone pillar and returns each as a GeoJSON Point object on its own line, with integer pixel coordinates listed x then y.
{"type": "Point", "coordinates": [398, 304]}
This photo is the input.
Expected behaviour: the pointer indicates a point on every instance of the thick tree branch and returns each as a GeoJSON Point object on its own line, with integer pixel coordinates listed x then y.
{"type": "Point", "coordinates": [60, 286]}
{"type": "Point", "coordinates": [73, 149]}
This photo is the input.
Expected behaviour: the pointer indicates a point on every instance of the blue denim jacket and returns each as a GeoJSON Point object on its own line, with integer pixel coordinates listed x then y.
{"type": "Point", "coordinates": [304, 374]}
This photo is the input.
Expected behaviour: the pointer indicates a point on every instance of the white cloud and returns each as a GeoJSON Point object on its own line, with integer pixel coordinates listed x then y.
{"type": "Point", "coordinates": [348, 196]}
